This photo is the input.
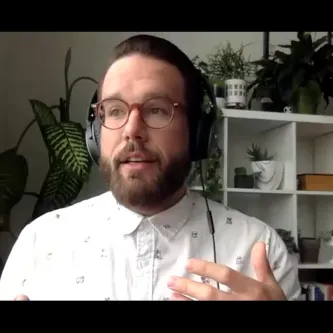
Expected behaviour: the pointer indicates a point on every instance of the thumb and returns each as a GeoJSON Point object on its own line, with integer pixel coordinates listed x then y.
{"type": "Point", "coordinates": [261, 265]}
{"type": "Point", "coordinates": [21, 298]}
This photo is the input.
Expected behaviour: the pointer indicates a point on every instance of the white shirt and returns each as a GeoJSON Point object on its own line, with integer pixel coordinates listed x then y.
{"type": "Point", "coordinates": [98, 250]}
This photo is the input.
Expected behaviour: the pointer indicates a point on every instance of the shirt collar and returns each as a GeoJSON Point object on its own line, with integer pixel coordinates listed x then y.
{"type": "Point", "coordinates": [168, 222]}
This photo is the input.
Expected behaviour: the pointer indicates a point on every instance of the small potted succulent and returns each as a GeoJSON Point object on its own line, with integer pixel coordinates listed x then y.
{"type": "Point", "coordinates": [267, 171]}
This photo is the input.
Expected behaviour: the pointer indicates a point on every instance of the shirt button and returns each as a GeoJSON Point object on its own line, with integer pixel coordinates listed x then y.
{"type": "Point", "coordinates": [158, 254]}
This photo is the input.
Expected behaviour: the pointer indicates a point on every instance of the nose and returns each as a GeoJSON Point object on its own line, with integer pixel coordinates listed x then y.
{"type": "Point", "coordinates": [135, 128]}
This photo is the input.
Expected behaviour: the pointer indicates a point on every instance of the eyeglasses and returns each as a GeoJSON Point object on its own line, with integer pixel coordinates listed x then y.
{"type": "Point", "coordinates": [155, 112]}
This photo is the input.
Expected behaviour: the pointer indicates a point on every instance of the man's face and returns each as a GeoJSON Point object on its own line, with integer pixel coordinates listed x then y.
{"type": "Point", "coordinates": [145, 166]}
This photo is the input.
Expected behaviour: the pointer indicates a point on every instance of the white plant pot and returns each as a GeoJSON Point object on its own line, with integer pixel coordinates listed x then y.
{"type": "Point", "coordinates": [235, 94]}
{"type": "Point", "coordinates": [326, 249]}
{"type": "Point", "coordinates": [268, 174]}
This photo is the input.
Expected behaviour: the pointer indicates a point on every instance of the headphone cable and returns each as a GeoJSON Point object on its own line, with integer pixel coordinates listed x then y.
{"type": "Point", "coordinates": [209, 216]}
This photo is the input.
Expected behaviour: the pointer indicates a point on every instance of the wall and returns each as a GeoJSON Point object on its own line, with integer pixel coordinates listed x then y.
{"type": "Point", "coordinates": [33, 69]}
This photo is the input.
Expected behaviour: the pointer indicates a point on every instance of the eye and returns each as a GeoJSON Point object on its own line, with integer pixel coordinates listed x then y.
{"type": "Point", "coordinates": [156, 110]}
{"type": "Point", "coordinates": [115, 112]}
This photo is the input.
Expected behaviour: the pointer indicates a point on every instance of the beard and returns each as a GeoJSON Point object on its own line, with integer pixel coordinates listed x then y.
{"type": "Point", "coordinates": [145, 189]}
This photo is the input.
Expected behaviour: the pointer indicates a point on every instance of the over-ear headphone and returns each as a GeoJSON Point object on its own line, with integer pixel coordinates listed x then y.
{"type": "Point", "coordinates": [202, 135]}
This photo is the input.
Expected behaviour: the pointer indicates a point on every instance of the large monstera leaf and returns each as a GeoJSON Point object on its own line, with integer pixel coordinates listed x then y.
{"type": "Point", "coordinates": [59, 189]}
{"type": "Point", "coordinates": [13, 179]}
{"type": "Point", "coordinates": [66, 142]}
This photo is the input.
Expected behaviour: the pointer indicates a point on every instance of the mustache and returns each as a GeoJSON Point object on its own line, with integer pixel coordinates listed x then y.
{"type": "Point", "coordinates": [134, 147]}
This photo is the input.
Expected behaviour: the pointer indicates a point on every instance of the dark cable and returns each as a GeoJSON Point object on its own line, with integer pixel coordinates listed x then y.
{"type": "Point", "coordinates": [209, 216]}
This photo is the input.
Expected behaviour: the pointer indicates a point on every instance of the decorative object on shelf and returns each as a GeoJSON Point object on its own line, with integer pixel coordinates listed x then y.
{"type": "Point", "coordinates": [242, 179]}
{"type": "Point", "coordinates": [299, 79]}
{"type": "Point", "coordinates": [315, 182]}
{"type": "Point", "coordinates": [309, 249]}
{"type": "Point", "coordinates": [288, 240]}
{"type": "Point", "coordinates": [268, 172]}
{"type": "Point", "coordinates": [69, 163]}
{"type": "Point", "coordinates": [288, 109]}
{"type": "Point", "coordinates": [235, 94]}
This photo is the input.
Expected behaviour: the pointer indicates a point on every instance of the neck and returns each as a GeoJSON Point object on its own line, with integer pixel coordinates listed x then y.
{"type": "Point", "coordinates": [171, 201]}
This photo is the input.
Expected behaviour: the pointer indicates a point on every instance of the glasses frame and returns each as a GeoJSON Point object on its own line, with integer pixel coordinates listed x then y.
{"type": "Point", "coordinates": [96, 106]}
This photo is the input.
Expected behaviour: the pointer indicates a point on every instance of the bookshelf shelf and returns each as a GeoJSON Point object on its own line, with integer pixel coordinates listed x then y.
{"type": "Point", "coordinates": [304, 143]}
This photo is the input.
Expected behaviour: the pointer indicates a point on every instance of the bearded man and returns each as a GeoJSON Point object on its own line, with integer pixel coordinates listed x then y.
{"type": "Point", "coordinates": [148, 237]}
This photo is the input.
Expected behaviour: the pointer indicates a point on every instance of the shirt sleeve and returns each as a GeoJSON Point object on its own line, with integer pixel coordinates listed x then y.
{"type": "Point", "coordinates": [19, 264]}
{"type": "Point", "coordinates": [285, 269]}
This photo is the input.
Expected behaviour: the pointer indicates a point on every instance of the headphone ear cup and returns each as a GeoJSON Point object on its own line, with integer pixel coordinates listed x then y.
{"type": "Point", "coordinates": [93, 132]}
{"type": "Point", "coordinates": [204, 136]}
{"type": "Point", "coordinates": [92, 141]}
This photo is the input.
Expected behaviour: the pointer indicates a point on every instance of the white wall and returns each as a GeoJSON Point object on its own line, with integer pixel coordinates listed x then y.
{"type": "Point", "coordinates": [33, 68]}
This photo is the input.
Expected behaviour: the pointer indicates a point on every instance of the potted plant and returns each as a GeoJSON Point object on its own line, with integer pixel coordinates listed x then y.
{"type": "Point", "coordinates": [229, 69]}
{"type": "Point", "coordinates": [69, 162]}
{"type": "Point", "coordinates": [267, 171]}
{"type": "Point", "coordinates": [298, 79]}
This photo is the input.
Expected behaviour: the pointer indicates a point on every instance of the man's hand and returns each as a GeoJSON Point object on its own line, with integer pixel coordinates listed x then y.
{"type": "Point", "coordinates": [265, 287]}
{"type": "Point", "coordinates": [21, 298]}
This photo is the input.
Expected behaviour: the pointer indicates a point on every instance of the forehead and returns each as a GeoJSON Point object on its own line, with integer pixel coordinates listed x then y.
{"type": "Point", "coordinates": [135, 78]}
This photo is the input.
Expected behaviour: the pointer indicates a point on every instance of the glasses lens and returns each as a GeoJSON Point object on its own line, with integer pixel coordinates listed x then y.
{"type": "Point", "coordinates": [113, 113]}
{"type": "Point", "coordinates": [157, 112]}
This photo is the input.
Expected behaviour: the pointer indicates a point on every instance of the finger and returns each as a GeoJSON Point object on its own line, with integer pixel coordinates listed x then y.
{"type": "Point", "coordinates": [179, 297]}
{"type": "Point", "coordinates": [21, 298]}
{"type": "Point", "coordinates": [261, 265]}
{"type": "Point", "coordinates": [197, 290]}
{"type": "Point", "coordinates": [237, 282]}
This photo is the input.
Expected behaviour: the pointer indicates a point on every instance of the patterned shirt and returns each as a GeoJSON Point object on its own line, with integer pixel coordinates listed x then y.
{"type": "Point", "coordinates": [99, 250]}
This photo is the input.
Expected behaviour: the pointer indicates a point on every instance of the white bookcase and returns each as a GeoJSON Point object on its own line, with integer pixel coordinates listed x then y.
{"type": "Point", "coordinates": [305, 145]}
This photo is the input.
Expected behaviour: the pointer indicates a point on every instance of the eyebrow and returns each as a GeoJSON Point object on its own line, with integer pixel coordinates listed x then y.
{"type": "Point", "coordinates": [146, 96]}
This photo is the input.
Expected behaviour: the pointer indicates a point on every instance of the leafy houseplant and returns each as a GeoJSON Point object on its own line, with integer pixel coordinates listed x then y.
{"type": "Point", "coordinates": [256, 154]}
{"type": "Point", "coordinates": [299, 78]}
{"type": "Point", "coordinates": [229, 69]}
{"type": "Point", "coordinates": [69, 163]}
{"type": "Point", "coordinates": [225, 63]}
{"type": "Point", "coordinates": [289, 241]}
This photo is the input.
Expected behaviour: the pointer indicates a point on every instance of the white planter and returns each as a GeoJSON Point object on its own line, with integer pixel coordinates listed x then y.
{"type": "Point", "coordinates": [235, 94]}
{"type": "Point", "coordinates": [268, 174]}
{"type": "Point", "coordinates": [326, 248]}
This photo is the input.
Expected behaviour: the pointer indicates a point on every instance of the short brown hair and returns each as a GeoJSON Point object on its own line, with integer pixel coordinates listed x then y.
{"type": "Point", "coordinates": [164, 50]}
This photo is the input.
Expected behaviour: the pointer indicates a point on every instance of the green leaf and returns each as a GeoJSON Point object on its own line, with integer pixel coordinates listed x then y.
{"type": "Point", "coordinates": [68, 60]}
{"type": "Point", "coordinates": [297, 80]}
{"type": "Point", "coordinates": [285, 46]}
{"type": "Point", "coordinates": [43, 113]}
{"type": "Point", "coordinates": [323, 53]}
{"type": "Point", "coordinates": [281, 55]}
{"type": "Point", "coordinates": [262, 62]}
{"type": "Point", "coordinates": [66, 142]}
{"type": "Point", "coordinates": [13, 179]}
{"type": "Point", "coordinates": [319, 42]}
{"type": "Point", "coordinates": [59, 189]}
